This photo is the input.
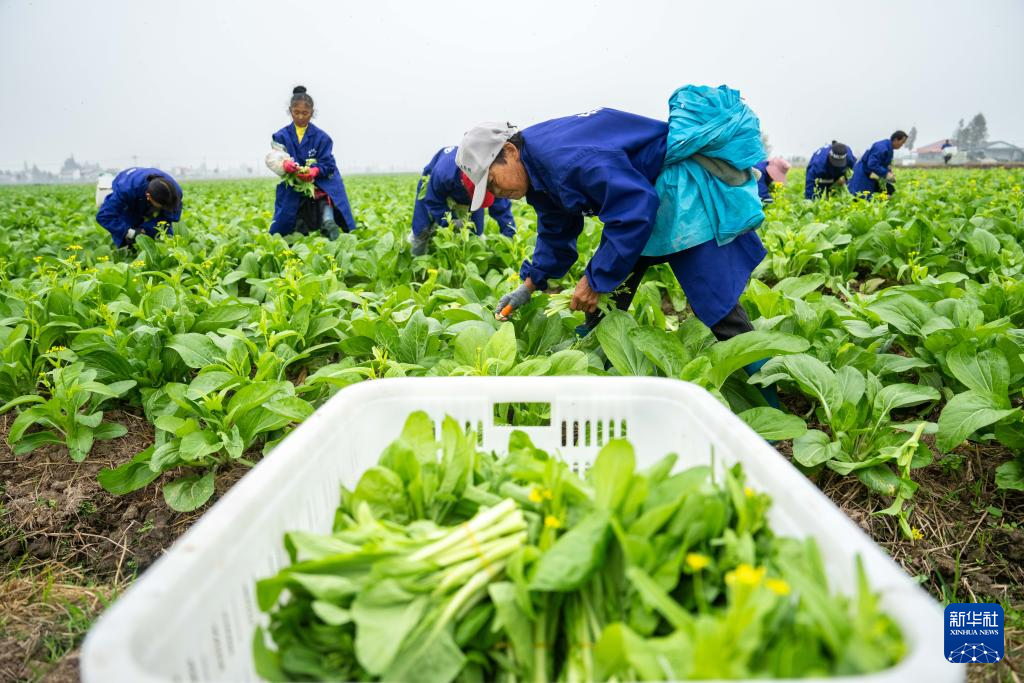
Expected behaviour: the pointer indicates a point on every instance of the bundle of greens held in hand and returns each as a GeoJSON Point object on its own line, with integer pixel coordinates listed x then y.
{"type": "Point", "coordinates": [305, 187]}
{"type": "Point", "coordinates": [447, 564]}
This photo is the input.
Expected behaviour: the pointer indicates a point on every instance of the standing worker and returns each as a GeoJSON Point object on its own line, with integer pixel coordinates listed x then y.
{"type": "Point", "coordinates": [772, 170]}
{"type": "Point", "coordinates": [948, 151]}
{"type": "Point", "coordinates": [140, 202]}
{"type": "Point", "coordinates": [680, 193]}
{"type": "Point", "coordinates": [872, 173]}
{"type": "Point", "coordinates": [827, 169]}
{"type": "Point", "coordinates": [310, 160]}
{"type": "Point", "coordinates": [444, 189]}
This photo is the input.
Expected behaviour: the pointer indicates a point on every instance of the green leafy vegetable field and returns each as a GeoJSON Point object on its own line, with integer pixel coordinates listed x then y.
{"type": "Point", "coordinates": [135, 387]}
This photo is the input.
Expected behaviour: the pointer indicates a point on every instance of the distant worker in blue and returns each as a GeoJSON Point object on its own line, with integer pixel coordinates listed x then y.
{"type": "Point", "coordinates": [827, 169]}
{"type": "Point", "coordinates": [948, 151]}
{"type": "Point", "coordinates": [650, 184]}
{"type": "Point", "coordinates": [873, 172]}
{"type": "Point", "coordinates": [771, 171]}
{"type": "Point", "coordinates": [142, 201]}
{"type": "Point", "coordinates": [444, 189]}
{"type": "Point", "coordinates": [311, 160]}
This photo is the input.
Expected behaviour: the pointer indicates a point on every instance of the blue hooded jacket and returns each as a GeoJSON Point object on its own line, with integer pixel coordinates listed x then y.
{"type": "Point", "coordinates": [821, 174]}
{"type": "Point", "coordinates": [440, 184]}
{"type": "Point", "coordinates": [605, 163]}
{"type": "Point", "coordinates": [316, 149]}
{"type": "Point", "coordinates": [876, 160]}
{"type": "Point", "coordinates": [764, 190]}
{"type": "Point", "coordinates": [126, 207]}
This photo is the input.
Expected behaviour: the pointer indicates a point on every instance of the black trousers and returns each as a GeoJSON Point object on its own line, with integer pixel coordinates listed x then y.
{"type": "Point", "coordinates": [734, 323]}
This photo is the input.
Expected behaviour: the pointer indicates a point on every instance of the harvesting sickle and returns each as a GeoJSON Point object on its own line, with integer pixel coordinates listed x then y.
{"type": "Point", "coordinates": [141, 201]}
{"type": "Point", "coordinates": [622, 167]}
{"type": "Point", "coordinates": [311, 197]}
{"type": "Point", "coordinates": [442, 191]}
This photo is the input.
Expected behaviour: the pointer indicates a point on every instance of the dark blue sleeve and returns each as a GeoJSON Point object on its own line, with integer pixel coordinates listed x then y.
{"type": "Point", "coordinates": [874, 162]}
{"type": "Point", "coordinates": [555, 251]}
{"type": "Point", "coordinates": [501, 212]}
{"type": "Point", "coordinates": [113, 216]}
{"type": "Point", "coordinates": [809, 185]}
{"type": "Point", "coordinates": [628, 205]}
{"type": "Point", "coordinates": [325, 157]}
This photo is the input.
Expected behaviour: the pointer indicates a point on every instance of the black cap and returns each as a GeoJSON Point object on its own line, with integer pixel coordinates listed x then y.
{"type": "Point", "coordinates": [837, 157]}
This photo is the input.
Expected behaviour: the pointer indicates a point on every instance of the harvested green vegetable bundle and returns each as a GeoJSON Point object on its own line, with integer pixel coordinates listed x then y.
{"type": "Point", "coordinates": [472, 567]}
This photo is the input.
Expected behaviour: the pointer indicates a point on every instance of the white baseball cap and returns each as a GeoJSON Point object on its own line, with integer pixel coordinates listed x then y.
{"type": "Point", "coordinates": [477, 151]}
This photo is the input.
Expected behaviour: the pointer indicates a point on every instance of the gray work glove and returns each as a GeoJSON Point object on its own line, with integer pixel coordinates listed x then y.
{"type": "Point", "coordinates": [516, 299]}
{"type": "Point", "coordinates": [421, 242]}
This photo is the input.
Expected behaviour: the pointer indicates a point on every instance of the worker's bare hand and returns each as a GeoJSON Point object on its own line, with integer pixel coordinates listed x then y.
{"type": "Point", "coordinates": [584, 298]}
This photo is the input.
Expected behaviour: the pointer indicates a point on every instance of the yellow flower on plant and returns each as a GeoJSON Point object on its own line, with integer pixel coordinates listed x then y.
{"type": "Point", "coordinates": [745, 575]}
{"type": "Point", "coordinates": [138, 263]}
{"type": "Point", "coordinates": [535, 495]}
{"type": "Point", "coordinates": [749, 492]}
{"type": "Point", "coordinates": [57, 349]}
{"type": "Point", "coordinates": [696, 561]}
{"type": "Point", "coordinates": [777, 586]}
{"type": "Point", "coordinates": [916, 534]}
{"type": "Point", "coordinates": [552, 522]}
{"type": "Point", "coordinates": [37, 259]}
{"type": "Point", "coordinates": [102, 259]}
{"type": "Point", "coordinates": [74, 247]}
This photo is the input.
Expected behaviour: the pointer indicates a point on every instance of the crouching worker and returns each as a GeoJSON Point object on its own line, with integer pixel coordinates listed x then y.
{"type": "Point", "coordinates": [873, 173]}
{"type": "Point", "coordinates": [444, 189]}
{"type": "Point", "coordinates": [311, 196]}
{"type": "Point", "coordinates": [141, 201]}
{"type": "Point", "coordinates": [681, 193]}
{"type": "Point", "coordinates": [770, 172]}
{"type": "Point", "coordinates": [827, 169]}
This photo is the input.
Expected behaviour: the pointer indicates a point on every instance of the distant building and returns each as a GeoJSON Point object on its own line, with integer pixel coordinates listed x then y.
{"type": "Point", "coordinates": [932, 154]}
{"type": "Point", "coordinates": [999, 151]}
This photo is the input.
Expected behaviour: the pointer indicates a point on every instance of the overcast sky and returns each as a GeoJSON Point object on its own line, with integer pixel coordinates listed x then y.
{"type": "Point", "coordinates": [180, 81]}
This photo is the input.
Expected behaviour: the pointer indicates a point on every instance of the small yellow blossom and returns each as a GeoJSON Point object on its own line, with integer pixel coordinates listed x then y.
{"type": "Point", "coordinates": [138, 263]}
{"type": "Point", "coordinates": [750, 493]}
{"type": "Point", "coordinates": [777, 586]}
{"type": "Point", "coordinates": [696, 561]}
{"type": "Point", "coordinates": [745, 575]}
{"type": "Point", "coordinates": [57, 349]}
{"type": "Point", "coordinates": [74, 247]}
{"type": "Point", "coordinates": [102, 259]}
{"type": "Point", "coordinates": [37, 259]}
{"type": "Point", "coordinates": [552, 522]}
{"type": "Point", "coordinates": [535, 495]}
{"type": "Point", "coordinates": [916, 534]}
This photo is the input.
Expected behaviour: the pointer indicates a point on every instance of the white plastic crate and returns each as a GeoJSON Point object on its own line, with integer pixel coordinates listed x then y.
{"type": "Point", "coordinates": [191, 617]}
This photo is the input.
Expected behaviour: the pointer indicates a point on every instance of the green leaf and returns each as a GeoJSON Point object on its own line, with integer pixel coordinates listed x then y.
{"type": "Point", "coordinates": [20, 401]}
{"type": "Point", "coordinates": [612, 473]}
{"type": "Point", "coordinates": [894, 396]}
{"type": "Point", "coordinates": [773, 424]}
{"type": "Point", "coordinates": [575, 556]}
{"type": "Point", "coordinates": [383, 618]}
{"type": "Point", "coordinates": [469, 344]}
{"type": "Point", "coordinates": [196, 445]}
{"type": "Point", "coordinates": [131, 476]}
{"type": "Point", "coordinates": [662, 348]}
{"type": "Point", "coordinates": [291, 407]}
{"type": "Point", "coordinates": [196, 350]}
{"type": "Point", "coordinates": [266, 661]}
{"type": "Point", "coordinates": [987, 373]}
{"type": "Point", "coordinates": [814, 378]}
{"type": "Point", "coordinates": [221, 315]}
{"type": "Point", "coordinates": [880, 479]}
{"type": "Point", "coordinates": [1010, 475]}
{"type": "Point", "coordinates": [186, 494]}
{"type": "Point", "coordinates": [732, 354]}
{"type": "Point", "coordinates": [814, 447]}
{"type": "Point", "coordinates": [208, 382]}
{"type": "Point", "coordinates": [568, 362]}
{"type": "Point", "coordinates": [499, 352]}
{"type": "Point", "coordinates": [613, 333]}
{"type": "Point", "coordinates": [965, 414]}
